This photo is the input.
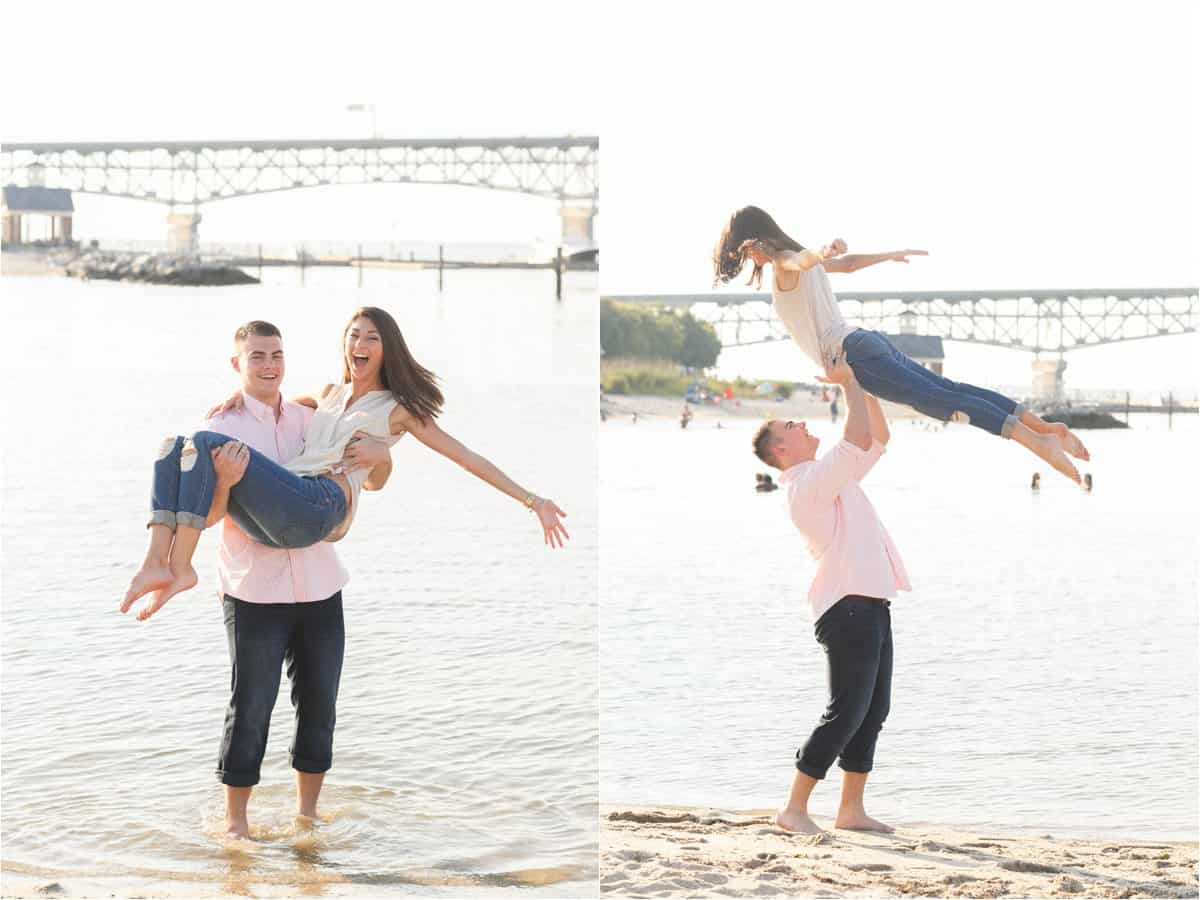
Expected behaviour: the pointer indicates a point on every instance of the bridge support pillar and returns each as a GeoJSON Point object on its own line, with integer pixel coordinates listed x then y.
{"type": "Point", "coordinates": [182, 232]}
{"type": "Point", "coordinates": [577, 226]}
{"type": "Point", "coordinates": [1048, 378]}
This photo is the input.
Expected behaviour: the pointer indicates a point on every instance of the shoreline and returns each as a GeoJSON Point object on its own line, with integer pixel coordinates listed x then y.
{"type": "Point", "coordinates": [669, 851]}
{"type": "Point", "coordinates": [798, 406]}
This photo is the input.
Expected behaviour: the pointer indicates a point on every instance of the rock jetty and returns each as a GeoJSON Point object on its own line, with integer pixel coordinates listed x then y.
{"type": "Point", "coordinates": [155, 268]}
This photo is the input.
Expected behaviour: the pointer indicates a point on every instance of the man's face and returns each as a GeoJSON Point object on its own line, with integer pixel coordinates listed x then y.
{"type": "Point", "coordinates": [260, 364]}
{"type": "Point", "coordinates": [793, 443]}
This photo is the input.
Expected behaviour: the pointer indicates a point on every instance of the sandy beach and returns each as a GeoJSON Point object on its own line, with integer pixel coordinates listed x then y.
{"type": "Point", "coordinates": [689, 852]}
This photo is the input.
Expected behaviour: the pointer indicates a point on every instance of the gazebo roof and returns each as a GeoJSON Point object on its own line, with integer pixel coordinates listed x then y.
{"type": "Point", "coordinates": [37, 200]}
{"type": "Point", "coordinates": [918, 346]}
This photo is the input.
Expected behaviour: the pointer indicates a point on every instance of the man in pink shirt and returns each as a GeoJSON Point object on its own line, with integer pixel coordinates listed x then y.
{"type": "Point", "coordinates": [280, 606]}
{"type": "Point", "coordinates": [858, 569]}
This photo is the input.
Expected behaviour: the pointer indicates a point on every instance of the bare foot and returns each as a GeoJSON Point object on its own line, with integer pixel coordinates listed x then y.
{"type": "Point", "coordinates": [182, 581]}
{"type": "Point", "coordinates": [238, 830]}
{"type": "Point", "coordinates": [148, 578]}
{"type": "Point", "coordinates": [1050, 448]}
{"type": "Point", "coordinates": [797, 822]}
{"type": "Point", "coordinates": [860, 821]}
{"type": "Point", "coordinates": [1070, 442]}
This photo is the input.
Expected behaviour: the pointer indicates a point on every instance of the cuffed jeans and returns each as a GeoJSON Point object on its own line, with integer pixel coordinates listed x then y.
{"type": "Point", "coordinates": [856, 633]}
{"type": "Point", "coordinates": [270, 504]}
{"type": "Point", "coordinates": [310, 638]}
{"type": "Point", "coordinates": [887, 373]}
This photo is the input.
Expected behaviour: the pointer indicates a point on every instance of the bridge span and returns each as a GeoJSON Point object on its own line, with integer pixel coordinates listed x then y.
{"type": "Point", "coordinates": [183, 175]}
{"type": "Point", "coordinates": [1045, 322]}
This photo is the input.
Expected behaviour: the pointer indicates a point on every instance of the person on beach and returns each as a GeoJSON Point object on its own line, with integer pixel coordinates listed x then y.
{"type": "Point", "coordinates": [384, 394]}
{"type": "Point", "coordinates": [284, 604]}
{"type": "Point", "coordinates": [858, 570]}
{"type": "Point", "coordinates": [804, 302]}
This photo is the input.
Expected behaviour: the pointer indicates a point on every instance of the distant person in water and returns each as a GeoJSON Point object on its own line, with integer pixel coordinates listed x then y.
{"type": "Point", "coordinates": [804, 301]}
{"type": "Point", "coordinates": [1087, 482]}
{"type": "Point", "coordinates": [685, 416]}
{"type": "Point", "coordinates": [765, 483]}
{"type": "Point", "coordinates": [833, 409]}
{"type": "Point", "coordinates": [1036, 484]}
{"type": "Point", "coordinates": [858, 570]}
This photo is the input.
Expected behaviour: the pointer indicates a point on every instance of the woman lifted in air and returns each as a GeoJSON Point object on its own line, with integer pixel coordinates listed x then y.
{"type": "Point", "coordinates": [804, 301]}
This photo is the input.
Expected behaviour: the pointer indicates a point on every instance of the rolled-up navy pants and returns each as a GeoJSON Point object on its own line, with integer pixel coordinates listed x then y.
{"type": "Point", "coordinates": [856, 633]}
{"type": "Point", "coordinates": [310, 638]}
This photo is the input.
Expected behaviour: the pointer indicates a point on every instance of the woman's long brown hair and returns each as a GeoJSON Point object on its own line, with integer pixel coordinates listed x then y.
{"type": "Point", "coordinates": [745, 227]}
{"type": "Point", "coordinates": [414, 387]}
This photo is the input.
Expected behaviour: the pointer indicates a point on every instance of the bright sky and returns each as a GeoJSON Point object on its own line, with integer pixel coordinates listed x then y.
{"type": "Point", "coordinates": [1024, 144]}
{"type": "Point", "coordinates": [239, 70]}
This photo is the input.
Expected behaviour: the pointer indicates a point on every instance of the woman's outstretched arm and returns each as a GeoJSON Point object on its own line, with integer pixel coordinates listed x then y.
{"type": "Point", "coordinates": [856, 261]}
{"type": "Point", "coordinates": [431, 435]}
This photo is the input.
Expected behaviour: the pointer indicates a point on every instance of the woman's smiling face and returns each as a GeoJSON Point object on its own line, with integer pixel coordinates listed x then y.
{"type": "Point", "coordinates": [363, 350]}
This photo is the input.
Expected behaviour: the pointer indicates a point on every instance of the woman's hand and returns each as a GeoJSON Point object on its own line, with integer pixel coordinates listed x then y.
{"type": "Point", "coordinates": [836, 247]}
{"type": "Point", "coordinates": [233, 403]}
{"type": "Point", "coordinates": [902, 255]}
{"type": "Point", "coordinates": [365, 452]}
{"type": "Point", "coordinates": [230, 461]}
{"type": "Point", "coordinates": [548, 512]}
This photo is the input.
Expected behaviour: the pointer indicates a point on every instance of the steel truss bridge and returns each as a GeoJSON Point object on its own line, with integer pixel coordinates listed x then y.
{"type": "Point", "coordinates": [190, 173]}
{"type": "Point", "coordinates": [193, 172]}
{"type": "Point", "coordinates": [1042, 321]}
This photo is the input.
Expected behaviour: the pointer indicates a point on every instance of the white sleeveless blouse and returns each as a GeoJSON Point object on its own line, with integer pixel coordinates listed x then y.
{"type": "Point", "coordinates": [810, 313]}
{"type": "Point", "coordinates": [330, 431]}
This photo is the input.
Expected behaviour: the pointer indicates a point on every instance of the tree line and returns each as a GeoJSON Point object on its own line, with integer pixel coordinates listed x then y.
{"type": "Point", "coordinates": [644, 333]}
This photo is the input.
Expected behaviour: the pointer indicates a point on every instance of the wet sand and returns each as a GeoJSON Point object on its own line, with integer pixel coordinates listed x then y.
{"type": "Point", "coordinates": [689, 852]}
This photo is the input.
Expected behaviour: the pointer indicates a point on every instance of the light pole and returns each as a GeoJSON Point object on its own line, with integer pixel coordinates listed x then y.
{"type": "Point", "coordinates": [366, 107]}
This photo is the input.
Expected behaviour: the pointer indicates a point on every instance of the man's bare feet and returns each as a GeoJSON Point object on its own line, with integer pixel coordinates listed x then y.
{"type": "Point", "coordinates": [1070, 442]}
{"type": "Point", "coordinates": [797, 822]}
{"type": "Point", "coordinates": [183, 580]}
{"type": "Point", "coordinates": [1050, 448]}
{"type": "Point", "coordinates": [237, 828]}
{"type": "Point", "coordinates": [860, 821]}
{"type": "Point", "coordinates": [149, 578]}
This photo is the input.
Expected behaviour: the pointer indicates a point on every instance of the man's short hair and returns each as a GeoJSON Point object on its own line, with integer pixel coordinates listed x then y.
{"type": "Point", "coordinates": [764, 445]}
{"type": "Point", "coordinates": [258, 328]}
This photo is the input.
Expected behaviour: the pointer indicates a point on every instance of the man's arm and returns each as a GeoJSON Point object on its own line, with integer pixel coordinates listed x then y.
{"type": "Point", "coordinates": [858, 420]}
{"type": "Point", "coordinates": [851, 460]}
{"type": "Point", "coordinates": [856, 261]}
{"type": "Point", "coordinates": [378, 476]}
{"type": "Point", "coordinates": [879, 426]}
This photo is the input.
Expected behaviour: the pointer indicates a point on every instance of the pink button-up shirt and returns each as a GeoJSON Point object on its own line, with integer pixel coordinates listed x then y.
{"type": "Point", "coordinates": [854, 552]}
{"type": "Point", "coordinates": [247, 569]}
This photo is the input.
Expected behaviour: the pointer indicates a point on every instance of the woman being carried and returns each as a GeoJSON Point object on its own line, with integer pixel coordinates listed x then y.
{"type": "Point", "coordinates": [803, 300]}
{"type": "Point", "coordinates": [384, 394]}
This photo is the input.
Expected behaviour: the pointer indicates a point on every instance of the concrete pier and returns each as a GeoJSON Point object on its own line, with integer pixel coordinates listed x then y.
{"type": "Point", "coordinates": [1048, 378]}
{"type": "Point", "coordinates": [577, 221]}
{"type": "Point", "coordinates": [183, 232]}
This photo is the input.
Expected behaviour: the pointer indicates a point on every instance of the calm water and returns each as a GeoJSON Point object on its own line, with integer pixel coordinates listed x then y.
{"type": "Point", "coordinates": [466, 747]}
{"type": "Point", "coordinates": [1046, 661]}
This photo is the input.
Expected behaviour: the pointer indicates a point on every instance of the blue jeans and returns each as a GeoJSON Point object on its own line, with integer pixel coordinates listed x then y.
{"type": "Point", "coordinates": [311, 639]}
{"type": "Point", "coordinates": [270, 504]}
{"type": "Point", "coordinates": [887, 373]}
{"type": "Point", "coordinates": [856, 633]}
